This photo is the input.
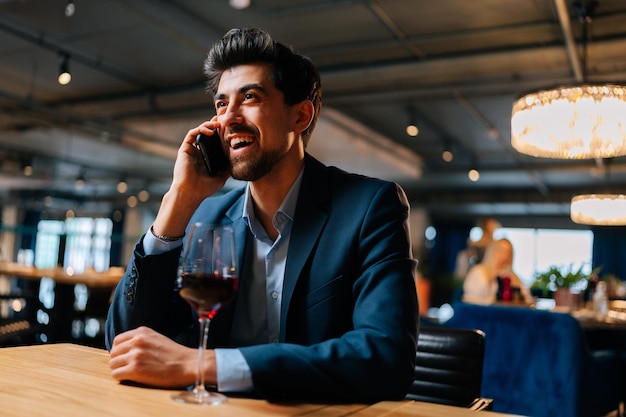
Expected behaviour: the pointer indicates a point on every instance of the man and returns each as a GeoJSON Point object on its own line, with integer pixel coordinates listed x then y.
{"type": "Point", "coordinates": [326, 307]}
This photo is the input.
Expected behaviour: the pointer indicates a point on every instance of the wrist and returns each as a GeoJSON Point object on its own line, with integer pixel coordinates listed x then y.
{"type": "Point", "coordinates": [166, 238]}
{"type": "Point", "coordinates": [173, 216]}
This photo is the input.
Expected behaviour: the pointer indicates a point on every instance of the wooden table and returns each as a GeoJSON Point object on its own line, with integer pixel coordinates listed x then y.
{"type": "Point", "coordinates": [67, 380]}
{"type": "Point", "coordinates": [607, 333]}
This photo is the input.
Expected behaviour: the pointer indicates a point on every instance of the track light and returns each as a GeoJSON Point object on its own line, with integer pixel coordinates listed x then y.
{"type": "Point", "coordinates": [64, 71]}
{"type": "Point", "coordinates": [143, 195]}
{"type": "Point", "coordinates": [122, 186]}
{"type": "Point", "coordinates": [239, 4]}
{"type": "Point", "coordinates": [412, 130]}
{"type": "Point", "coordinates": [132, 201]}
{"type": "Point", "coordinates": [70, 8]}
{"type": "Point", "coordinates": [79, 183]}
{"type": "Point", "coordinates": [447, 155]}
{"type": "Point", "coordinates": [411, 127]}
{"type": "Point", "coordinates": [27, 167]}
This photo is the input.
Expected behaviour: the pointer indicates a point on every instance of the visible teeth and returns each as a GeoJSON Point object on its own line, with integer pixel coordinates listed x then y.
{"type": "Point", "coordinates": [236, 142]}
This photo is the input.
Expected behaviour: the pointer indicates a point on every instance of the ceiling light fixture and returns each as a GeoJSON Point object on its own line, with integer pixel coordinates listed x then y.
{"type": "Point", "coordinates": [578, 121]}
{"type": "Point", "coordinates": [143, 195]}
{"type": "Point", "coordinates": [447, 155]}
{"type": "Point", "coordinates": [239, 4]}
{"type": "Point", "coordinates": [122, 186]}
{"type": "Point", "coordinates": [79, 183]}
{"type": "Point", "coordinates": [70, 8]}
{"type": "Point", "coordinates": [27, 168]}
{"type": "Point", "coordinates": [131, 201]}
{"type": "Point", "coordinates": [412, 130]}
{"type": "Point", "coordinates": [411, 127]}
{"type": "Point", "coordinates": [64, 70]}
{"type": "Point", "coordinates": [599, 209]}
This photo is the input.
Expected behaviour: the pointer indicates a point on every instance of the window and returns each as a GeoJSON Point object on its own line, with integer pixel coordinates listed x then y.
{"type": "Point", "coordinates": [47, 243]}
{"type": "Point", "coordinates": [87, 245]}
{"type": "Point", "coordinates": [536, 250]}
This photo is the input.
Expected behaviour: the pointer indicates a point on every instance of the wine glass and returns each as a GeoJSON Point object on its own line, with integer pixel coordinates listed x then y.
{"type": "Point", "coordinates": [207, 279]}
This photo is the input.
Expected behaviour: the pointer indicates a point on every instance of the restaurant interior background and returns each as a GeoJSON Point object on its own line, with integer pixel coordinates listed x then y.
{"type": "Point", "coordinates": [83, 165]}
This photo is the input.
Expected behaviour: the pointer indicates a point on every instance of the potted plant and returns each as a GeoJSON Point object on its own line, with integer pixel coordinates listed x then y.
{"type": "Point", "coordinates": [566, 288]}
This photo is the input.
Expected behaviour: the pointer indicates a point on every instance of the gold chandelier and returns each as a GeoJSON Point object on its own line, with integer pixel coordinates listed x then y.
{"type": "Point", "coordinates": [599, 209]}
{"type": "Point", "coordinates": [571, 122]}
{"type": "Point", "coordinates": [580, 121]}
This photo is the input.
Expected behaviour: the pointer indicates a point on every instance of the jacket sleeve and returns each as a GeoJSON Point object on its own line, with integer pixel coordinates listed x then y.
{"type": "Point", "coordinates": [145, 296]}
{"type": "Point", "coordinates": [374, 360]}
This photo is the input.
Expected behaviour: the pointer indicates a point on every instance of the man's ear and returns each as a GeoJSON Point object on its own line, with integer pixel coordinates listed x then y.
{"type": "Point", "coordinates": [305, 114]}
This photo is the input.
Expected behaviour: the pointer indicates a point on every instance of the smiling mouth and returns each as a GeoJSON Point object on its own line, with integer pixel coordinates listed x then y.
{"type": "Point", "coordinates": [240, 142]}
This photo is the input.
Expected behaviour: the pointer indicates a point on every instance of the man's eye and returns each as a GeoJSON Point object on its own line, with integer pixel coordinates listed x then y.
{"type": "Point", "coordinates": [249, 96]}
{"type": "Point", "coordinates": [219, 104]}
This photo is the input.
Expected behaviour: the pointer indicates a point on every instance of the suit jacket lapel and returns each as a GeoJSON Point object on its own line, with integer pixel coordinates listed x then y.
{"type": "Point", "coordinates": [219, 335]}
{"type": "Point", "coordinates": [309, 220]}
{"type": "Point", "coordinates": [235, 214]}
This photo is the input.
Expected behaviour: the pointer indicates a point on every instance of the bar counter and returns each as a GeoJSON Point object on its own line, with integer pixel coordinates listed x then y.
{"type": "Point", "coordinates": [64, 311]}
{"type": "Point", "coordinates": [68, 380]}
{"type": "Point", "coordinates": [90, 278]}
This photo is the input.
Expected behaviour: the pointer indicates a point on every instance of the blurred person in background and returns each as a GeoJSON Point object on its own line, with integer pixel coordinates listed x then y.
{"type": "Point", "coordinates": [493, 278]}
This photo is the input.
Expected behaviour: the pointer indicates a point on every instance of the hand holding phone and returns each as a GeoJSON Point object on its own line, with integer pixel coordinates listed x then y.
{"type": "Point", "coordinates": [215, 160]}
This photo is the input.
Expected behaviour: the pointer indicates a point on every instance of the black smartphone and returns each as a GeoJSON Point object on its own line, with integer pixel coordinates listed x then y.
{"type": "Point", "coordinates": [213, 154]}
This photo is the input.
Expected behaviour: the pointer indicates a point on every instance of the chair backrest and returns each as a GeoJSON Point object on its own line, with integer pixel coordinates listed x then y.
{"type": "Point", "coordinates": [537, 363]}
{"type": "Point", "coordinates": [448, 366]}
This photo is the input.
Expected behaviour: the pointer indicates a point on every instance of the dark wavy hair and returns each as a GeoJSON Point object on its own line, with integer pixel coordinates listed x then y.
{"type": "Point", "coordinates": [293, 74]}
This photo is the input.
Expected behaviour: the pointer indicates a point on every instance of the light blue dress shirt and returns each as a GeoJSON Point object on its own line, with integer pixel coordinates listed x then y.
{"type": "Point", "coordinates": [269, 258]}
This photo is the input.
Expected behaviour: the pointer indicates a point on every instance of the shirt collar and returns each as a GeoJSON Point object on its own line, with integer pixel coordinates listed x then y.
{"type": "Point", "coordinates": [287, 207]}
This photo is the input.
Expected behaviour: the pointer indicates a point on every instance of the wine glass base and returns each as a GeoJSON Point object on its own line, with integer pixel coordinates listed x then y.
{"type": "Point", "coordinates": [199, 397]}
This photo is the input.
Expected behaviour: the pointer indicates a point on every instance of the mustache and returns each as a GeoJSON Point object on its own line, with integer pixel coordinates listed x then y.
{"type": "Point", "coordinates": [241, 129]}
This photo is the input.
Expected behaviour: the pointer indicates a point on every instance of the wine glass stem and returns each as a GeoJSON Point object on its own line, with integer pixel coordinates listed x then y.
{"type": "Point", "coordinates": [204, 335]}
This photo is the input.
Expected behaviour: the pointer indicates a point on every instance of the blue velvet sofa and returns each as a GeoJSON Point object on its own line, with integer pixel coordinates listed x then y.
{"type": "Point", "coordinates": [538, 363]}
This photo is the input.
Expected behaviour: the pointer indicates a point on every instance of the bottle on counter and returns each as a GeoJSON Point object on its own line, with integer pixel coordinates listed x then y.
{"type": "Point", "coordinates": [589, 291]}
{"type": "Point", "coordinates": [507, 291]}
{"type": "Point", "coordinates": [600, 300]}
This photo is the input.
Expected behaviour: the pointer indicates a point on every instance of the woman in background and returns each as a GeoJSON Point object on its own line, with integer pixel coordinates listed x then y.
{"type": "Point", "coordinates": [482, 283]}
{"type": "Point", "coordinates": [475, 251]}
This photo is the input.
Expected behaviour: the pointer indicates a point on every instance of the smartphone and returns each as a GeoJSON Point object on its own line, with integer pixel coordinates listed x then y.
{"type": "Point", "coordinates": [215, 160]}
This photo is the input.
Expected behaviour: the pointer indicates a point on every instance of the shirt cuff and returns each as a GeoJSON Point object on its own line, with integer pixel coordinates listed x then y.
{"type": "Point", "coordinates": [233, 372]}
{"type": "Point", "coordinates": [154, 246]}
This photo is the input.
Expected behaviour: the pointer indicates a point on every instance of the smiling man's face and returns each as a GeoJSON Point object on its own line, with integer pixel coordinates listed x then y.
{"type": "Point", "coordinates": [255, 121]}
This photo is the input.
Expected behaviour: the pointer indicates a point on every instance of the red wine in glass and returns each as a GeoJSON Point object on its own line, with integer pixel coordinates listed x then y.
{"type": "Point", "coordinates": [207, 279]}
{"type": "Point", "coordinates": [207, 292]}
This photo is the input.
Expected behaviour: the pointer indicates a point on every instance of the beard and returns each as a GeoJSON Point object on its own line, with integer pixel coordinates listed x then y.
{"type": "Point", "coordinates": [254, 169]}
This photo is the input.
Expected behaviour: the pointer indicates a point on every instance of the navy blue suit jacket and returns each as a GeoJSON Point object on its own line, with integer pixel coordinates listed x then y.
{"type": "Point", "coordinates": [349, 317]}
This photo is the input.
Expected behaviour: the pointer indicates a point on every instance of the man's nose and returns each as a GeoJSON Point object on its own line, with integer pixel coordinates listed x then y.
{"type": "Point", "coordinates": [231, 115]}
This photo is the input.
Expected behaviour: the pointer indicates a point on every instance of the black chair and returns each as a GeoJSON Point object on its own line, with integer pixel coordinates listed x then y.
{"type": "Point", "coordinates": [449, 368]}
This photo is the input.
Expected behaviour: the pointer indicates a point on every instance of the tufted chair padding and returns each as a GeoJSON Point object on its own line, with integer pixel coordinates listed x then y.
{"type": "Point", "coordinates": [449, 367]}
